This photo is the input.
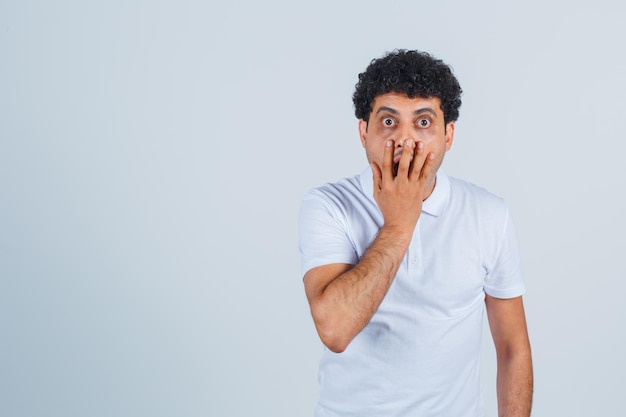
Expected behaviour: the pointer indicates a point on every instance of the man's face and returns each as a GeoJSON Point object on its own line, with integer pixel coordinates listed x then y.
{"type": "Point", "coordinates": [397, 117]}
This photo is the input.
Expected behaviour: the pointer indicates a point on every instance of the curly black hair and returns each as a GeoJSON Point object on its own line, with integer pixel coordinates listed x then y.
{"type": "Point", "coordinates": [415, 73]}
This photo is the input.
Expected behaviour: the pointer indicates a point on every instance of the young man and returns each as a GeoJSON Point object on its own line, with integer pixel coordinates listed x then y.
{"type": "Point", "coordinates": [399, 262]}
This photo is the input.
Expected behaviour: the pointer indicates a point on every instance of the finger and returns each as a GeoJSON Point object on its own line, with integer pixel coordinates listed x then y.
{"type": "Point", "coordinates": [376, 176]}
{"type": "Point", "coordinates": [429, 169]}
{"type": "Point", "coordinates": [419, 157]}
{"type": "Point", "coordinates": [387, 171]}
{"type": "Point", "coordinates": [407, 156]}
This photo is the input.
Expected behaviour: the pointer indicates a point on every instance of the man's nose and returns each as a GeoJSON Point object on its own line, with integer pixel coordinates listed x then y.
{"type": "Point", "coordinates": [405, 133]}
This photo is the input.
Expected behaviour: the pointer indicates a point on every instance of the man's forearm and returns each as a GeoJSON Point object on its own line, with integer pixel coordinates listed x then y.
{"type": "Point", "coordinates": [348, 303]}
{"type": "Point", "coordinates": [515, 384]}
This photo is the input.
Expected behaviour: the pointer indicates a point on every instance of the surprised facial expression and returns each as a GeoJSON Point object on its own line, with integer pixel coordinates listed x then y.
{"type": "Point", "coordinates": [397, 117]}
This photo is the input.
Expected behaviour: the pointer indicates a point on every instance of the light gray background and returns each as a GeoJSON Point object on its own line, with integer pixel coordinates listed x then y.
{"type": "Point", "coordinates": [152, 160]}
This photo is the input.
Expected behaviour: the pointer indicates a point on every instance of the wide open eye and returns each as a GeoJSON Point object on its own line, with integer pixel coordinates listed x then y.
{"type": "Point", "coordinates": [388, 122]}
{"type": "Point", "coordinates": [423, 122]}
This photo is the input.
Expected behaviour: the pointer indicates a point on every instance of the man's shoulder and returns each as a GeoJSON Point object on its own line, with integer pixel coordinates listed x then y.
{"type": "Point", "coordinates": [464, 192]}
{"type": "Point", "coordinates": [461, 185]}
{"type": "Point", "coordinates": [348, 188]}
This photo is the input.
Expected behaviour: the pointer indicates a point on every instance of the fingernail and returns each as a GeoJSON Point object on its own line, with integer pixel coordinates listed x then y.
{"type": "Point", "coordinates": [420, 145]}
{"type": "Point", "coordinates": [409, 143]}
{"type": "Point", "coordinates": [388, 144]}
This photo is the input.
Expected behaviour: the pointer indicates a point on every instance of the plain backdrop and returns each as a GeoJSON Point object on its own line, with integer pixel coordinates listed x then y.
{"type": "Point", "coordinates": [153, 155]}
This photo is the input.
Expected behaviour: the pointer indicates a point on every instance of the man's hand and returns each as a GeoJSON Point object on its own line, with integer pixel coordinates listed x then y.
{"type": "Point", "coordinates": [400, 196]}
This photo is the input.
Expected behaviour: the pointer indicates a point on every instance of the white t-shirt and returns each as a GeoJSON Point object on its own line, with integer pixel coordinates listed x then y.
{"type": "Point", "coordinates": [419, 354]}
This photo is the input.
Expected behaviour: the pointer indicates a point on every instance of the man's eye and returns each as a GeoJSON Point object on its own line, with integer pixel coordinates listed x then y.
{"type": "Point", "coordinates": [388, 121]}
{"type": "Point", "coordinates": [423, 122]}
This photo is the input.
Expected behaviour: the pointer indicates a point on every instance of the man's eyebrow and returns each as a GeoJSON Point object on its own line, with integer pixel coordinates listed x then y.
{"type": "Point", "coordinates": [387, 109]}
{"type": "Point", "coordinates": [425, 110]}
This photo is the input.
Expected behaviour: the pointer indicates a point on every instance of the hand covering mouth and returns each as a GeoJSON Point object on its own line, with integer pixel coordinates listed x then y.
{"type": "Point", "coordinates": [396, 163]}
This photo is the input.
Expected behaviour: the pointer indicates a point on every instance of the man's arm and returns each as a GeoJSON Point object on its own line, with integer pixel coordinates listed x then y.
{"type": "Point", "coordinates": [515, 374]}
{"type": "Point", "coordinates": [343, 298]}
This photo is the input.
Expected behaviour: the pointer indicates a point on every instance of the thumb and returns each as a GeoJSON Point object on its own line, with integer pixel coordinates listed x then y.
{"type": "Point", "coordinates": [377, 176]}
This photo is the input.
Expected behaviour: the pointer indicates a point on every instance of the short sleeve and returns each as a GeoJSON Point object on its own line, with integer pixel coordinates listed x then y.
{"type": "Point", "coordinates": [323, 236]}
{"type": "Point", "coordinates": [505, 279]}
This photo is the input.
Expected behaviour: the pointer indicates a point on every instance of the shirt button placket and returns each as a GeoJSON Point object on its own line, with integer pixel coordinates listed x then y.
{"type": "Point", "coordinates": [415, 252]}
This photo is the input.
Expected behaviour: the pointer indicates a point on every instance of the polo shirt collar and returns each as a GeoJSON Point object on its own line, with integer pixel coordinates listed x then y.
{"type": "Point", "coordinates": [437, 200]}
{"type": "Point", "coordinates": [433, 205]}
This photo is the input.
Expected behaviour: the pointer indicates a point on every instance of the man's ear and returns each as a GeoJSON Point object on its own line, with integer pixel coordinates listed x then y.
{"type": "Point", "coordinates": [362, 131]}
{"type": "Point", "coordinates": [449, 135]}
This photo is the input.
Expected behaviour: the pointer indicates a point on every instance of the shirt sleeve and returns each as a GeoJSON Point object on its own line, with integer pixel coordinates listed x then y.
{"type": "Point", "coordinates": [505, 279]}
{"type": "Point", "coordinates": [323, 234]}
